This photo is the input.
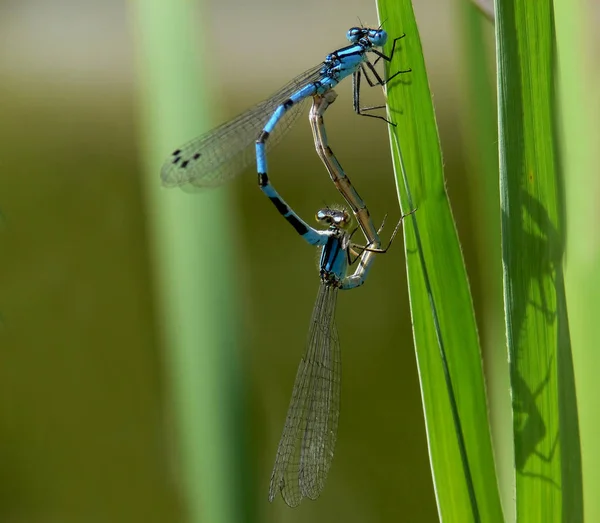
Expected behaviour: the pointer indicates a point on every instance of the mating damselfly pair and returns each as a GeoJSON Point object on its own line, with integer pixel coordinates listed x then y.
{"type": "Point", "coordinates": [307, 444]}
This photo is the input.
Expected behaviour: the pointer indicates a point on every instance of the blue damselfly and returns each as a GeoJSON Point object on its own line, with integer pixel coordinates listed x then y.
{"type": "Point", "coordinates": [224, 152]}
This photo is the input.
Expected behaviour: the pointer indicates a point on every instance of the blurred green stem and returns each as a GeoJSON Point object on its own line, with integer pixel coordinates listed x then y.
{"type": "Point", "coordinates": [578, 85]}
{"type": "Point", "coordinates": [192, 263]}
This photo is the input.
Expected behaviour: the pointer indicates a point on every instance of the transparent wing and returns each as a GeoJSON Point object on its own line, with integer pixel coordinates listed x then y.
{"type": "Point", "coordinates": [223, 153]}
{"type": "Point", "coordinates": [308, 441]}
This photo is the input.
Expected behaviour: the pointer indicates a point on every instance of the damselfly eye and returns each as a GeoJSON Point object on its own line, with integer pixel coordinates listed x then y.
{"type": "Point", "coordinates": [324, 216]}
{"type": "Point", "coordinates": [344, 219]}
{"type": "Point", "coordinates": [354, 34]}
{"type": "Point", "coordinates": [378, 37]}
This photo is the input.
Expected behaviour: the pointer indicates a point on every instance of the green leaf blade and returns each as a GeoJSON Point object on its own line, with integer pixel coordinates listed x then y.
{"type": "Point", "coordinates": [542, 384]}
{"type": "Point", "coordinates": [443, 320]}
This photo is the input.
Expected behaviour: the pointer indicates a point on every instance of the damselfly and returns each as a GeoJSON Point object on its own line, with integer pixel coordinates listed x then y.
{"type": "Point", "coordinates": [224, 152]}
{"type": "Point", "coordinates": [308, 441]}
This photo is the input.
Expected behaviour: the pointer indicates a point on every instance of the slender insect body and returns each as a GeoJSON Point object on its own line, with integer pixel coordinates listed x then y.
{"type": "Point", "coordinates": [219, 155]}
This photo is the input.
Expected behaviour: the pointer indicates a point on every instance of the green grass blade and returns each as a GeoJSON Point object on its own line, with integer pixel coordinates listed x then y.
{"type": "Point", "coordinates": [548, 477]}
{"type": "Point", "coordinates": [194, 274]}
{"type": "Point", "coordinates": [478, 120]}
{"type": "Point", "coordinates": [444, 328]}
{"type": "Point", "coordinates": [579, 84]}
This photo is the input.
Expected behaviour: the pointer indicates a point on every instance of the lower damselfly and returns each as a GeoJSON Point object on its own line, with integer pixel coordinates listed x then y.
{"type": "Point", "coordinates": [307, 444]}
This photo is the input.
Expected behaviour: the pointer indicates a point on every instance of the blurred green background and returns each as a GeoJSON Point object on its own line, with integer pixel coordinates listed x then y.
{"type": "Point", "coordinates": [86, 408]}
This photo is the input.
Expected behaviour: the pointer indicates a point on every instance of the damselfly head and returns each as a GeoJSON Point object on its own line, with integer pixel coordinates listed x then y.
{"type": "Point", "coordinates": [337, 218]}
{"type": "Point", "coordinates": [375, 37]}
